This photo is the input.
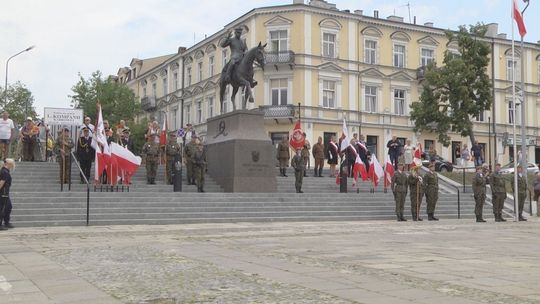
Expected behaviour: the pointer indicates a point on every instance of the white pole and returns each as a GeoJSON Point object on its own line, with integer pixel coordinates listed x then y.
{"type": "Point", "coordinates": [514, 143]}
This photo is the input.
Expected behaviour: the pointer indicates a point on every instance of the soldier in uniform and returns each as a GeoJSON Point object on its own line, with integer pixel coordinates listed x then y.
{"type": "Point", "coordinates": [126, 141]}
{"type": "Point", "coordinates": [399, 188]}
{"type": "Point", "coordinates": [299, 166]}
{"type": "Point", "coordinates": [498, 191]}
{"type": "Point", "coordinates": [431, 184]}
{"type": "Point", "coordinates": [318, 154]}
{"type": "Point", "coordinates": [199, 165]}
{"type": "Point", "coordinates": [522, 191]}
{"type": "Point", "coordinates": [172, 153]}
{"type": "Point", "coordinates": [479, 189]}
{"type": "Point", "coordinates": [85, 153]}
{"type": "Point", "coordinates": [151, 151]}
{"type": "Point", "coordinates": [189, 151]}
{"type": "Point", "coordinates": [62, 148]}
{"type": "Point", "coordinates": [283, 155]}
{"type": "Point", "coordinates": [305, 154]}
{"type": "Point", "coordinates": [416, 190]}
{"type": "Point", "coordinates": [238, 48]}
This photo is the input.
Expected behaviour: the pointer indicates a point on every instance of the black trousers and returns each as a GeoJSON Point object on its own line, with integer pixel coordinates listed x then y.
{"type": "Point", "coordinates": [5, 210]}
{"type": "Point", "coordinates": [86, 166]}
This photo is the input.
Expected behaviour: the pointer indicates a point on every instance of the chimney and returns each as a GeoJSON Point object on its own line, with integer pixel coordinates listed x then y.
{"type": "Point", "coordinates": [428, 24]}
{"type": "Point", "coordinates": [181, 49]}
{"type": "Point", "coordinates": [346, 11]}
{"type": "Point", "coordinates": [492, 30]}
{"type": "Point", "coordinates": [414, 22]}
{"type": "Point", "coordinates": [395, 18]}
{"type": "Point", "coordinates": [501, 36]}
{"type": "Point", "coordinates": [376, 14]}
{"type": "Point", "coordinates": [359, 12]}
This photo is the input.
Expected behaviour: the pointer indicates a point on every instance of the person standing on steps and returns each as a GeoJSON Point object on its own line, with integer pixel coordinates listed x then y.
{"type": "Point", "coordinates": [7, 131]}
{"type": "Point", "coordinates": [521, 191]}
{"type": "Point", "coordinates": [62, 149]}
{"type": "Point", "coordinates": [394, 149]}
{"type": "Point", "coordinates": [498, 191]}
{"type": "Point", "coordinates": [283, 155]}
{"type": "Point", "coordinates": [189, 151]}
{"type": "Point", "coordinates": [431, 182]}
{"type": "Point", "coordinates": [305, 153]}
{"type": "Point", "coordinates": [199, 165]}
{"type": "Point", "coordinates": [151, 152]}
{"type": "Point", "coordinates": [299, 167]}
{"type": "Point", "coordinates": [172, 152]}
{"type": "Point", "coordinates": [5, 200]}
{"type": "Point", "coordinates": [416, 190]}
{"type": "Point", "coordinates": [399, 188]}
{"type": "Point", "coordinates": [85, 153]}
{"type": "Point", "coordinates": [333, 154]}
{"type": "Point", "coordinates": [318, 155]}
{"type": "Point", "coordinates": [479, 189]}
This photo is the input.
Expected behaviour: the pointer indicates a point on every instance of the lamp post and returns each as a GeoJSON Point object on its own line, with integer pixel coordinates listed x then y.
{"type": "Point", "coordinates": [7, 65]}
{"type": "Point", "coordinates": [524, 157]}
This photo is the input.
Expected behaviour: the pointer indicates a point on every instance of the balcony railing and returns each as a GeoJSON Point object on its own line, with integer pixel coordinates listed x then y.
{"type": "Point", "coordinates": [282, 57]}
{"type": "Point", "coordinates": [278, 112]}
{"type": "Point", "coordinates": [148, 103]}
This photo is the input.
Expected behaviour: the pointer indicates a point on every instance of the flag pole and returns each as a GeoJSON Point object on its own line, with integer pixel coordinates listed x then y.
{"type": "Point", "coordinates": [524, 158]}
{"type": "Point", "coordinates": [514, 146]}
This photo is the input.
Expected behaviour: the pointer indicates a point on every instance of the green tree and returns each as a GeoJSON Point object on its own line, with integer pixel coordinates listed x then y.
{"type": "Point", "coordinates": [19, 102]}
{"type": "Point", "coordinates": [117, 100]}
{"type": "Point", "coordinates": [458, 91]}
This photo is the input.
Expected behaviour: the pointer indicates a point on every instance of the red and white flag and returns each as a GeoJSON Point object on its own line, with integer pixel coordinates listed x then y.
{"type": "Point", "coordinates": [417, 160]}
{"type": "Point", "coordinates": [297, 139]}
{"type": "Point", "coordinates": [516, 14]}
{"type": "Point", "coordinates": [163, 135]}
{"type": "Point", "coordinates": [376, 171]}
{"type": "Point", "coordinates": [360, 168]}
{"type": "Point", "coordinates": [345, 138]}
{"type": "Point", "coordinates": [126, 162]}
{"type": "Point", "coordinates": [388, 172]}
{"type": "Point", "coordinates": [103, 153]}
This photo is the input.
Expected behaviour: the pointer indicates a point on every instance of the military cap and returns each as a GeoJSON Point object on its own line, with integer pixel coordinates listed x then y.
{"type": "Point", "coordinates": [84, 128]}
{"type": "Point", "coordinates": [126, 130]}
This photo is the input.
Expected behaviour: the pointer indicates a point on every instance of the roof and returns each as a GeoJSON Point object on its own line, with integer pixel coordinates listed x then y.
{"type": "Point", "coordinates": [150, 63]}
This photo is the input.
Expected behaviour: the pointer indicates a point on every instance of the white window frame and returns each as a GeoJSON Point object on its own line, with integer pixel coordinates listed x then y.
{"type": "Point", "coordinates": [280, 40]}
{"type": "Point", "coordinates": [224, 57]}
{"type": "Point", "coordinates": [512, 115]}
{"type": "Point", "coordinates": [165, 86]}
{"type": "Point", "coordinates": [283, 85]}
{"type": "Point", "coordinates": [200, 66]}
{"type": "Point", "coordinates": [425, 60]}
{"type": "Point", "coordinates": [371, 104]}
{"type": "Point", "coordinates": [399, 109]}
{"type": "Point", "coordinates": [175, 118]}
{"type": "Point", "coordinates": [211, 63]}
{"type": "Point", "coordinates": [517, 63]}
{"type": "Point", "coordinates": [335, 43]}
{"type": "Point", "coordinates": [154, 89]}
{"type": "Point", "coordinates": [188, 76]}
{"type": "Point", "coordinates": [198, 111]}
{"type": "Point", "coordinates": [327, 90]}
{"type": "Point", "coordinates": [187, 112]}
{"type": "Point", "coordinates": [175, 78]}
{"type": "Point", "coordinates": [144, 91]}
{"type": "Point", "coordinates": [211, 105]}
{"type": "Point", "coordinates": [395, 53]}
{"type": "Point", "coordinates": [375, 52]}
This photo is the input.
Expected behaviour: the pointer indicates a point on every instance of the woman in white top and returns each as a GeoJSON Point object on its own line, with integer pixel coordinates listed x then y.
{"type": "Point", "coordinates": [465, 156]}
{"type": "Point", "coordinates": [408, 154]}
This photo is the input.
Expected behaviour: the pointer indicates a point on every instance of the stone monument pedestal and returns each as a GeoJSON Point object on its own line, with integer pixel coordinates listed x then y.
{"type": "Point", "coordinates": [241, 157]}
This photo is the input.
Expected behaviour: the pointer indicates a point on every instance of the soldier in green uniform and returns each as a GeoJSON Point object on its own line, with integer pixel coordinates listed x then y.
{"type": "Point", "coordinates": [305, 154]}
{"type": "Point", "coordinates": [151, 151]}
{"type": "Point", "coordinates": [299, 168]}
{"type": "Point", "coordinates": [62, 149]}
{"type": "Point", "coordinates": [283, 155]}
{"type": "Point", "coordinates": [431, 184]}
{"type": "Point", "coordinates": [416, 190]}
{"type": "Point", "coordinates": [199, 165]}
{"type": "Point", "coordinates": [399, 188]}
{"type": "Point", "coordinates": [479, 189]}
{"type": "Point", "coordinates": [498, 191]}
{"type": "Point", "coordinates": [172, 152]}
{"type": "Point", "coordinates": [189, 151]}
{"type": "Point", "coordinates": [522, 191]}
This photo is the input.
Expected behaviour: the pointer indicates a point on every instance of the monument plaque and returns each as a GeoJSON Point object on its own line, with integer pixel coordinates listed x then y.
{"type": "Point", "coordinates": [241, 157]}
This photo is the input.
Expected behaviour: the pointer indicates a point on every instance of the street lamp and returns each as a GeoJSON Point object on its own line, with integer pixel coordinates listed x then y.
{"type": "Point", "coordinates": [7, 65]}
{"type": "Point", "coordinates": [524, 157]}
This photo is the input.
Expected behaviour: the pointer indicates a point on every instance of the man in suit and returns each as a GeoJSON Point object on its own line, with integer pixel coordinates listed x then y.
{"type": "Point", "coordinates": [126, 141]}
{"type": "Point", "coordinates": [85, 153]}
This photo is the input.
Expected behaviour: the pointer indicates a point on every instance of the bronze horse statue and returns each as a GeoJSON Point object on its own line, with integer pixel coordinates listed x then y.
{"type": "Point", "coordinates": [242, 76]}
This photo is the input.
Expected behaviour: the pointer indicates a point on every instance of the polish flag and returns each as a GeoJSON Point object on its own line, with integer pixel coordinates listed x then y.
{"type": "Point", "coordinates": [417, 160]}
{"type": "Point", "coordinates": [126, 162]}
{"type": "Point", "coordinates": [376, 171]}
{"type": "Point", "coordinates": [345, 138]}
{"type": "Point", "coordinates": [163, 135]}
{"type": "Point", "coordinates": [297, 139]}
{"type": "Point", "coordinates": [103, 153]}
{"type": "Point", "coordinates": [388, 172]}
{"type": "Point", "coordinates": [359, 168]}
{"type": "Point", "coordinates": [516, 14]}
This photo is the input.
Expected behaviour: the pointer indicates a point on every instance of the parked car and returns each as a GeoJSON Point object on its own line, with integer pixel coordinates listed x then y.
{"type": "Point", "coordinates": [509, 168]}
{"type": "Point", "coordinates": [441, 164]}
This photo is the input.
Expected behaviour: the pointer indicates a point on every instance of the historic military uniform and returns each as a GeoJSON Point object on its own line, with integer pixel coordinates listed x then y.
{"type": "Point", "coordinates": [151, 151]}
{"type": "Point", "coordinates": [199, 166]}
{"type": "Point", "coordinates": [305, 155]}
{"type": "Point", "coordinates": [431, 184]}
{"type": "Point", "coordinates": [416, 190]}
{"type": "Point", "coordinates": [522, 193]}
{"type": "Point", "coordinates": [318, 155]}
{"type": "Point", "coordinates": [479, 190]}
{"type": "Point", "coordinates": [399, 188]}
{"type": "Point", "coordinates": [238, 48]}
{"type": "Point", "coordinates": [62, 149]}
{"type": "Point", "coordinates": [498, 191]}
{"type": "Point", "coordinates": [85, 154]}
{"type": "Point", "coordinates": [126, 141]}
{"type": "Point", "coordinates": [299, 169]}
{"type": "Point", "coordinates": [283, 155]}
{"type": "Point", "coordinates": [189, 151]}
{"type": "Point", "coordinates": [172, 154]}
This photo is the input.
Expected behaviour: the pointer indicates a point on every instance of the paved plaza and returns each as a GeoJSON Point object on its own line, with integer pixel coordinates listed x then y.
{"type": "Point", "coordinates": [451, 261]}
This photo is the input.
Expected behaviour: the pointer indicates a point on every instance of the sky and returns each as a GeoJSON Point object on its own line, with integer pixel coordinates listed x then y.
{"type": "Point", "coordinates": [80, 37]}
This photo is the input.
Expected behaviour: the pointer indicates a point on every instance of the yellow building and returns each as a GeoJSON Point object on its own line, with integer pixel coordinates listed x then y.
{"type": "Point", "coordinates": [325, 64]}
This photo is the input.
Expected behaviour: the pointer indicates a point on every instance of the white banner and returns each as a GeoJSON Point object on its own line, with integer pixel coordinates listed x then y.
{"type": "Point", "coordinates": [60, 116]}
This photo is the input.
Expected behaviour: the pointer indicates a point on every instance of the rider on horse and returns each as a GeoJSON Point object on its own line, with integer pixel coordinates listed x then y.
{"type": "Point", "coordinates": [238, 48]}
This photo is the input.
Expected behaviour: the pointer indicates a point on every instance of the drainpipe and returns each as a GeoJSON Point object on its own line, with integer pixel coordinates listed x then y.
{"type": "Point", "coordinates": [493, 107]}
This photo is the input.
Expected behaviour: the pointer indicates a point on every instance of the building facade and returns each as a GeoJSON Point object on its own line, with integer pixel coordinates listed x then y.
{"type": "Point", "coordinates": [325, 64]}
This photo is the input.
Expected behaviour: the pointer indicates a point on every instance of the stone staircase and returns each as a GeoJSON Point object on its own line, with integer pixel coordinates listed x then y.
{"type": "Point", "coordinates": [37, 201]}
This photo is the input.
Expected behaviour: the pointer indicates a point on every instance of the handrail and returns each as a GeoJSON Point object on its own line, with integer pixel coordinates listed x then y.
{"type": "Point", "coordinates": [458, 200]}
{"type": "Point", "coordinates": [87, 189]}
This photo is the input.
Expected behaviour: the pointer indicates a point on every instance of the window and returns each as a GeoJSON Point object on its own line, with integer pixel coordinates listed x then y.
{"type": "Point", "coordinates": [510, 69]}
{"type": "Point", "coordinates": [175, 77]}
{"type": "Point", "coordinates": [144, 92]}
{"type": "Point", "coordinates": [371, 143]}
{"type": "Point", "coordinates": [399, 55]}
{"type": "Point", "coordinates": [399, 102]}
{"type": "Point", "coordinates": [165, 87]}
{"type": "Point", "coordinates": [175, 118]}
{"type": "Point", "coordinates": [427, 57]}
{"type": "Point", "coordinates": [211, 66]}
{"type": "Point", "coordinates": [200, 71]}
{"type": "Point", "coordinates": [277, 137]}
{"type": "Point", "coordinates": [154, 89]}
{"type": "Point", "coordinates": [199, 111]}
{"type": "Point", "coordinates": [278, 88]}
{"type": "Point", "coordinates": [210, 107]}
{"type": "Point", "coordinates": [329, 94]}
{"type": "Point", "coordinates": [188, 76]}
{"type": "Point", "coordinates": [480, 117]}
{"type": "Point", "coordinates": [371, 98]}
{"type": "Point", "coordinates": [223, 58]}
{"type": "Point", "coordinates": [329, 45]}
{"type": "Point", "coordinates": [188, 114]}
{"type": "Point", "coordinates": [370, 52]}
{"type": "Point", "coordinates": [278, 41]}
{"type": "Point", "coordinates": [510, 112]}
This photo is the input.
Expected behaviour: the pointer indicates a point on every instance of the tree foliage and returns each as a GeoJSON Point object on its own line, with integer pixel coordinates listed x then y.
{"type": "Point", "coordinates": [117, 100]}
{"type": "Point", "coordinates": [454, 94]}
{"type": "Point", "coordinates": [19, 102]}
